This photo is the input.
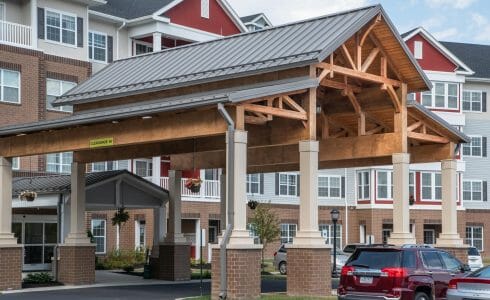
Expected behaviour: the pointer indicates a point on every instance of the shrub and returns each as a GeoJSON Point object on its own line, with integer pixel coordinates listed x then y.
{"type": "Point", "coordinates": [118, 259]}
{"type": "Point", "coordinates": [128, 268]}
{"type": "Point", "coordinates": [39, 278]}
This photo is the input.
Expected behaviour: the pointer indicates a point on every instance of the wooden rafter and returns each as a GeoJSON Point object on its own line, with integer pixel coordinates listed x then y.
{"type": "Point", "coordinates": [348, 57]}
{"type": "Point", "coordinates": [415, 126]}
{"type": "Point", "coordinates": [340, 85]}
{"type": "Point", "coordinates": [292, 104]}
{"type": "Point", "coordinates": [353, 100]}
{"type": "Point", "coordinates": [278, 112]}
{"type": "Point", "coordinates": [369, 29]}
{"type": "Point", "coordinates": [423, 137]}
{"type": "Point", "coordinates": [370, 59]}
{"type": "Point", "coordinates": [375, 130]}
{"type": "Point", "coordinates": [361, 75]}
{"type": "Point", "coordinates": [393, 96]}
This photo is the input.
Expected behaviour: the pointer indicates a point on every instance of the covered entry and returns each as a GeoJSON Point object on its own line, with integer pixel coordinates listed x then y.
{"type": "Point", "coordinates": [328, 92]}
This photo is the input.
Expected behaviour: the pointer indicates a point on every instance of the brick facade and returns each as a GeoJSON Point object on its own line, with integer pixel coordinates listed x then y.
{"type": "Point", "coordinates": [243, 274]}
{"type": "Point", "coordinates": [173, 263]}
{"type": "Point", "coordinates": [76, 265]}
{"type": "Point", "coordinates": [11, 266]}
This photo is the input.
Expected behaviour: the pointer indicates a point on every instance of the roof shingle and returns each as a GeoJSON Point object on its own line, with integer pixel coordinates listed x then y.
{"type": "Point", "coordinates": [131, 9]}
{"type": "Point", "coordinates": [477, 57]}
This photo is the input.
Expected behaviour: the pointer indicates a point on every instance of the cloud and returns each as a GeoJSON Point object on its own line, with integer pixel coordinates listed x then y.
{"type": "Point", "coordinates": [280, 11]}
{"type": "Point", "coordinates": [482, 31]}
{"type": "Point", "coordinates": [479, 20]}
{"type": "Point", "coordinates": [446, 34]}
{"type": "Point", "coordinates": [433, 22]}
{"type": "Point", "coordinates": [460, 4]}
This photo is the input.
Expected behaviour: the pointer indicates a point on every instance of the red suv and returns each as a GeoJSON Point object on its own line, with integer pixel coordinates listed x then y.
{"type": "Point", "coordinates": [390, 273]}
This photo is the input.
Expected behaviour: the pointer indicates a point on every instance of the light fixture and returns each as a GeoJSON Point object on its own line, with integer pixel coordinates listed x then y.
{"type": "Point", "coordinates": [146, 117]}
{"type": "Point", "coordinates": [334, 214]}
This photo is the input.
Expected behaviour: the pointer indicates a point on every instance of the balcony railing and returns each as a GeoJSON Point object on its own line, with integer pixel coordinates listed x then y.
{"type": "Point", "coordinates": [210, 189]}
{"type": "Point", "coordinates": [15, 34]}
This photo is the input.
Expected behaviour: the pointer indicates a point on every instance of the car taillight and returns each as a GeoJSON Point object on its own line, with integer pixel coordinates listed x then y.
{"type": "Point", "coordinates": [453, 284]}
{"type": "Point", "coordinates": [275, 253]}
{"type": "Point", "coordinates": [347, 271]}
{"type": "Point", "coordinates": [394, 272]}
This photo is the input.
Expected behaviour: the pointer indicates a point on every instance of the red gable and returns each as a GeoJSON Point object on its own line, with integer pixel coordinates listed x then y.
{"type": "Point", "coordinates": [432, 59]}
{"type": "Point", "coordinates": [188, 13]}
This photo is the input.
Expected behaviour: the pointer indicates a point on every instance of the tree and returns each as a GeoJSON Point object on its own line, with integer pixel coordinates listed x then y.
{"type": "Point", "coordinates": [265, 224]}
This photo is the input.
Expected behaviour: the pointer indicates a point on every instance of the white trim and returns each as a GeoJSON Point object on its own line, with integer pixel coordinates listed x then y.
{"type": "Point", "coordinates": [389, 185]}
{"type": "Point", "coordinates": [418, 51]}
{"type": "Point", "coordinates": [167, 7]}
{"type": "Point", "coordinates": [60, 83]}
{"type": "Point", "coordinates": [18, 163]}
{"type": "Point", "coordinates": [106, 16]}
{"type": "Point", "coordinates": [205, 9]}
{"type": "Point", "coordinates": [471, 101]}
{"type": "Point", "coordinates": [446, 96]}
{"type": "Point", "coordinates": [329, 187]}
{"type": "Point", "coordinates": [472, 236]}
{"type": "Point", "coordinates": [471, 146]}
{"type": "Point", "coordinates": [105, 233]}
{"type": "Point", "coordinates": [232, 14]}
{"type": "Point", "coordinates": [106, 46]}
{"type": "Point", "coordinates": [19, 87]}
{"type": "Point", "coordinates": [471, 181]}
{"type": "Point", "coordinates": [287, 184]}
{"type": "Point", "coordinates": [259, 16]}
{"type": "Point", "coordinates": [369, 184]}
{"type": "Point", "coordinates": [61, 13]}
{"type": "Point", "coordinates": [432, 186]}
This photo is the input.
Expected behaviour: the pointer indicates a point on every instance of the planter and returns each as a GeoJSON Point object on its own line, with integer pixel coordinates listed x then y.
{"type": "Point", "coordinates": [193, 184]}
{"type": "Point", "coordinates": [27, 196]}
{"type": "Point", "coordinates": [195, 188]}
{"type": "Point", "coordinates": [252, 204]}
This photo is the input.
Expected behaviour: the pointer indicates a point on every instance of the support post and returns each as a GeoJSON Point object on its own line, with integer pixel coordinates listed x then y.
{"type": "Point", "coordinates": [222, 182]}
{"type": "Point", "coordinates": [156, 171]}
{"type": "Point", "coordinates": [401, 206]}
{"type": "Point", "coordinates": [157, 41]}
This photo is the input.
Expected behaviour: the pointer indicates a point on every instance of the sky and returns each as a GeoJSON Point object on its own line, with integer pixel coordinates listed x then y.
{"type": "Point", "coordinates": [465, 21]}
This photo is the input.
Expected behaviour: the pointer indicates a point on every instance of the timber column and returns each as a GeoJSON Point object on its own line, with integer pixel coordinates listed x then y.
{"type": "Point", "coordinates": [174, 253]}
{"type": "Point", "coordinates": [309, 272]}
{"type": "Point", "coordinates": [449, 238]}
{"type": "Point", "coordinates": [10, 251]}
{"type": "Point", "coordinates": [76, 263]}
{"type": "Point", "coordinates": [401, 205]}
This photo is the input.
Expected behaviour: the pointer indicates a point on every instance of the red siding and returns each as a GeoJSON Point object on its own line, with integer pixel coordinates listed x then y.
{"type": "Point", "coordinates": [188, 13]}
{"type": "Point", "coordinates": [433, 59]}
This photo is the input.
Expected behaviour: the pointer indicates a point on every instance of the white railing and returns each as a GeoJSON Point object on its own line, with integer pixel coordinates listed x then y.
{"type": "Point", "coordinates": [15, 34]}
{"type": "Point", "coordinates": [209, 188]}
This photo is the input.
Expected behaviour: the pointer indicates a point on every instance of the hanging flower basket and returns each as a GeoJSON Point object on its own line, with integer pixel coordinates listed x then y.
{"type": "Point", "coordinates": [27, 196]}
{"type": "Point", "coordinates": [252, 204]}
{"type": "Point", "coordinates": [193, 184]}
{"type": "Point", "coordinates": [120, 217]}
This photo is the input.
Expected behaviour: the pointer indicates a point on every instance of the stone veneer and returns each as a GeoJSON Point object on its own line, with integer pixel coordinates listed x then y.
{"type": "Point", "coordinates": [309, 272]}
{"type": "Point", "coordinates": [243, 274]}
{"type": "Point", "coordinates": [11, 268]}
{"type": "Point", "coordinates": [173, 263]}
{"type": "Point", "coordinates": [76, 265]}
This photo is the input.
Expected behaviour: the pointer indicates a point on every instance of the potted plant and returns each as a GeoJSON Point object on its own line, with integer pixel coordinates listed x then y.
{"type": "Point", "coordinates": [27, 196]}
{"type": "Point", "coordinates": [120, 217]}
{"type": "Point", "coordinates": [193, 184]}
{"type": "Point", "coordinates": [252, 204]}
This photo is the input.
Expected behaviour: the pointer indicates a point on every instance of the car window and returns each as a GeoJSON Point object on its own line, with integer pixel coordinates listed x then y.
{"type": "Point", "coordinates": [409, 260]}
{"type": "Point", "coordinates": [431, 260]}
{"type": "Point", "coordinates": [375, 259]}
{"type": "Point", "coordinates": [450, 262]}
{"type": "Point", "coordinates": [481, 273]}
{"type": "Point", "coordinates": [473, 251]}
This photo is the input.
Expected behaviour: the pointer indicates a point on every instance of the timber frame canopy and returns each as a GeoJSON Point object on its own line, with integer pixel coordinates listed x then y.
{"type": "Point", "coordinates": [341, 79]}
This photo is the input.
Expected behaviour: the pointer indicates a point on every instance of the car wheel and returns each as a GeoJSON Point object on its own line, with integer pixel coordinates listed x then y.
{"type": "Point", "coordinates": [283, 269]}
{"type": "Point", "coordinates": [421, 296]}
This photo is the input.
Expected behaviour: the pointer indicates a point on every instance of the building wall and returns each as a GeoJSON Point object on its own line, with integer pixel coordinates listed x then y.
{"type": "Point", "coordinates": [432, 59]}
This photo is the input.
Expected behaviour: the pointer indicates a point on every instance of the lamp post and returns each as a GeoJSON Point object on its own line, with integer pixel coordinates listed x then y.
{"type": "Point", "coordinates": [334, 214]}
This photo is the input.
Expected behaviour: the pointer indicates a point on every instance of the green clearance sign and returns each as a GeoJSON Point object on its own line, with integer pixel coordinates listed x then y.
{"type": "Point", "coordinates": [102, 142]}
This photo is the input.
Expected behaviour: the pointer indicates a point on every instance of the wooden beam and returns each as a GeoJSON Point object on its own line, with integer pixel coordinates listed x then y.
{"type": "Point", "coordinates": [369, 60]}
{"type": "Point", "coordinates": [292, 104]}
{"type": "Point", "coordinates": [275, 111]}
{"type": "Point", "coordinates": [325, 126]}
{"type": "Point", "coordinates": [240, 118]}
{"type": "Point", "coordinates": [427, 137]}
{"type": "Point", "coordinates": [309, 106]}
{"type": "Point", "coordinates": [362, 75]}
{"type": "Point", "coordinates": [369, 29]}
{"type": "Point", "coordinates": [353, 100]}
{"type": "Point", "coordinates": [375, 130]}
{"type": "Point", "coordinates": [383, 67]}
{"type": "Point", "coordinates": [400, 120]}
{"type": "Point", "coordinates": [361, 124]}
{"type": "Point", "coordinates": [340, 85]}
{"type": "Point", "coordinates": [256, 120]}
{"type": "Point", "coordinates": [348, 57]}
{"type": "Point", "coordinates": [414, 126]}
{"type": "Point", "coordinates": [358, 48]}
{"type": "Point", "coordinates": [393, 97]}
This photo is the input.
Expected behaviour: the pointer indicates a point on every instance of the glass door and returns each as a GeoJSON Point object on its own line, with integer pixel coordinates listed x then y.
{"type": "Point", "coordinates": [39, 239]}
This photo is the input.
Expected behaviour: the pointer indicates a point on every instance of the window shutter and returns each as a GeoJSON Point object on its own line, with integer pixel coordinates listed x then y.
{"type": "Point", "coordinates": [80, 32]}
{"type": "Point", "coordinates": [484, 146]}
{"type": "Point", "coordinates": [110, 49]}
{"type": "Point", "coordinates": [342, 187]}
{"type": "Point", "coordinates": [40, 23]}
{"type": "Point", "coordinates": [484, 187]}
{"type": "Point", "coordinates": [277, 183]}
{"type": "Point", "coordinates": [297, 185]}
{"type": "Point", "coordinates": [261, 182]}
{"type": "Point", "coordinates": [484, 101]}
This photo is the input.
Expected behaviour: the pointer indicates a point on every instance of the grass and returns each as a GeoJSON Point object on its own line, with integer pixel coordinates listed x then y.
{"type": "Point", "coordinates": [275, 297]}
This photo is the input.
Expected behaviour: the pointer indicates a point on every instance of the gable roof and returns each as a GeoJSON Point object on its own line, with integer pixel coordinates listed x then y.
{"type": "Point", "coordinates": [131, 9]}
{"type": "Point", "coordinates": [252, 18]}
{"type": "Point", "coordinates": [275, 48]}
{"type": "Point", "coordinates": [475, 56]}
{"type": "Point", "coordinates": [462, 67]}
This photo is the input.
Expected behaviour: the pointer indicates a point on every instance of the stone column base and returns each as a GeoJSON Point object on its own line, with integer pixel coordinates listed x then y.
{"type": "Point", "coordinates": [173, 263]}
{"type": "Point", "coordinates": [76, 264]}
{"type": "Point", "coordinates": [243, 272]}
{"type": "Point", "coordinates": [400, 238]}
{"type": "Point", "coordinates": [11, 262]}
{"type": "Point", "coordinates": [460, 252]}
{"type": "Point", "coordinates": [309, 271]}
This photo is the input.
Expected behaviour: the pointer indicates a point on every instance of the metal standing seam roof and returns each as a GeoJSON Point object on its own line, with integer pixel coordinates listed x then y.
{"type": "Point", "coordinates": [274, 48]}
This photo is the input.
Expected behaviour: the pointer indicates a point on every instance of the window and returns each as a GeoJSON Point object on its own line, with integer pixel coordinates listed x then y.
{"type": "Point", "coordinates": [140, 234]}
{"type": "Point", "coordinates": [386, 232]}
{"type": "Point", "coordinates": [97, 46]}
{"type": "Point", "coordinates": [429, 236]}
{"type": "Point", "coordinates": [417, 49]}
{"type": "Point", "coordinates": [450, 262]}
{"type": "Point", "coordinates": [431, 186]}
{"type": "Point", "coordinates": [61, 27]}
{"type": "Point", "coordinates": [384, 184]}
{"type": "Point", "coordinates": [211, 174]}
{"type": "Point", "coordinates": [288, 232]}
{"type": "Point", "coordinates": [143, 168]}
{"type": "Point", "coordinates": [99, 233]}
{"type": "Point", "coordinates": [329, 186]}
{"type": "Point", "coordinates": [431, 260]}
{"type": "Point", "coordinates": [142, 48]}
{"type": "Point", "coordinates": [253, 233]}
{"type": "Point", "coordinates": [15, 163]}
{"type": "Point", "coordinates": [411, 184]}
{"type": "Point", "coordinates": [363, 188]}
{"type": "Point", "coordinates": [288, 184]}
{"type": "Point", "coordinates": [472, 190]}
{"type": "Point", "coordinates": [205, 9]}
{"type": "Point", "coordinates": [474, 148]}
{"type": "Point", "coordinates": [59, 162]}
{"type": "Point", "coordinates": [472, 101]}
{"type": "Point", "coordinates": [443, 95]}
{"type": "Point", "coordinates": [327, 233]}
{"type": "Point", "coordinates": [10, 86]}
{"type": "Point", "coordinates": [56, 88]}
{"type": "Point", "coordinates": [110, 165]}
{"type": "Point", "coordinates": [253, 184]}
{"type": "Point", "coordinates": [474, 237]}
{"type": "Point", "coordinates": [411, 97]}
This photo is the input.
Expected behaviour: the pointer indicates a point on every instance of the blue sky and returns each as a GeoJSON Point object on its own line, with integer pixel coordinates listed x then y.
{"type": "Point", "coordinates": [448, 20]}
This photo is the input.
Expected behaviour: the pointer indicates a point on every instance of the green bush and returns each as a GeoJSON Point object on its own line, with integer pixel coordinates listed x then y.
{"type": "Point", "coordinates": [119, 259]}
{"type": "Point", "coordinates": [128, 268]}
{"type": "Point", "coordinates": [39, 278]}
{"type": "Point", "coordinates": [206, 274]}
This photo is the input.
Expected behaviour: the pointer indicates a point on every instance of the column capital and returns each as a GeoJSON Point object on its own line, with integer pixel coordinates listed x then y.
{"type": "Point", "coordinates": [401, 158]}
{"type": "Point", "coordinates": [5, 162]}
{"type": "Point", "coordinates": [239, 136]}
{"type": "Point", "coordinates": [309, 146]}
{"type": "Point", "coordinates": [447, 164]}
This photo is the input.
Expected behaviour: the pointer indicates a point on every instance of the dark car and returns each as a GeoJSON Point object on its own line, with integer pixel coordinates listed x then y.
{"type": "Point", "coordinates": [398, 273]}
{"type": "Point", "coordinates": [350, 248]}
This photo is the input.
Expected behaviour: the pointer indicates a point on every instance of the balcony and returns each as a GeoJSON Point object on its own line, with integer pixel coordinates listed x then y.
{"type": "Point", "coordinates": [210, 189]}
{"type": "Point", "coordinates": [15, 34]}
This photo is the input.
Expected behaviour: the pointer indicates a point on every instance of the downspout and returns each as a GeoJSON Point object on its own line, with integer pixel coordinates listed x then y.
{"type": "Point", "coordinates": [229, 199]}
{"type": "Point", "coordinates": [59, 220]}
{"type": "Point", "coordinates": [346, 210]}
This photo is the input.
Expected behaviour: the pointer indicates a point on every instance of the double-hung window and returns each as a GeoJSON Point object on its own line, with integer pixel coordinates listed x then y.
{"type": "Point", "coordinates": [97, 47]}
{"type": "Point", "coordinates": [472, 101]}
{"type": "Point", "coordinates": [475, 148]}
{"type": "Point", "coordinates": [9, 86]}
{"type": "Point", "coordinates": [253, 184]}
{"type": "Point", "coordinates": [384, 184]}
{"type": "Point", "coordinates": [61, 27]}
{"type": "Point", "coordinates": [327, 233]}
{"type": "Point", "coordinates": [143, 168]}
{"type": "Point", "coordinates": [288, 184]}
{"type": "Point", "coordinates": [472, 190]}
{"type": "Point", "coordinates": [140, 234]}
{"type": "Point", "coordinates": [363, 187]}
{"type": "Point", "coordinates": [99, 233]}
{"type": "Point", "coordinates": [16, 163]}
{"type": "Point", "coordinates": [474, 236]}
{"type": "Point", "coordinates": [59, 162]}
{"type": "Point", "coordinates": [443, 95]}
{"type": "Point", "coordinates": [56, 88]}
{"type": "Point", "coordinates": [329, 186]}
{"type": "Point", "coordinates": [110, 165]}
{"type": "Point", "coordinates": [288, 232]}
{"type": "Point", "coordinates": [431, 186]}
